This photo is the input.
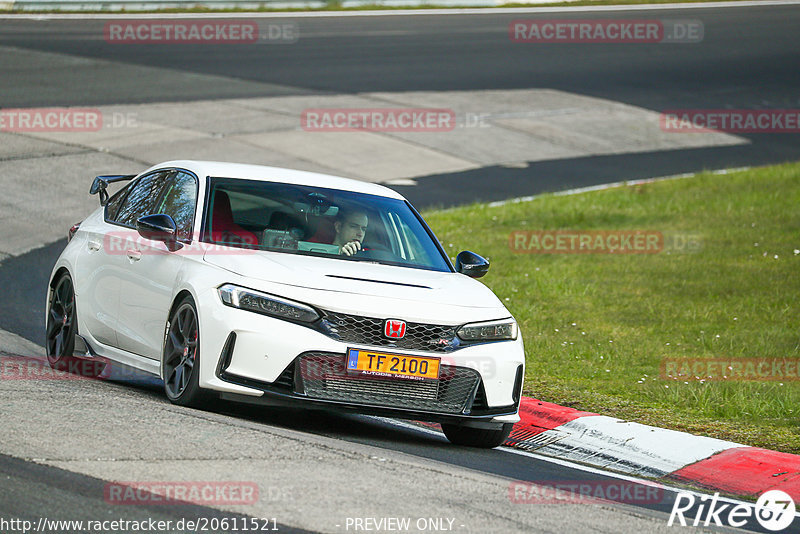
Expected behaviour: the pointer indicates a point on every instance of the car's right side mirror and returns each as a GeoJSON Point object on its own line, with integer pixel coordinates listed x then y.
{"type": "Point", "coordinates": [471, 264]}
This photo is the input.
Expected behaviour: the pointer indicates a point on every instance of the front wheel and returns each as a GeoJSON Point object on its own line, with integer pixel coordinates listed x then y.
{"type": "Point", "coordinates": [484, 438]}
{"type": "Point", "coordinates": [181, 357]}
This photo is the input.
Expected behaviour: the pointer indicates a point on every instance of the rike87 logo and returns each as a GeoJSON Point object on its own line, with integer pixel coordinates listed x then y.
{"type": "Point", "coordinates": [774, 510]}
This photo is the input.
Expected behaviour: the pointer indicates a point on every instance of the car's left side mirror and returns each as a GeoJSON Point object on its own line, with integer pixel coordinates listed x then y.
{"type": "Point", "coordinates": [159, 227]}
{"type": "Point", "coordinates": [471, 264]}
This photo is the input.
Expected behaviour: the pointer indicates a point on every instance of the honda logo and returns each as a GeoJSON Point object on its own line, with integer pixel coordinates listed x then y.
{"type": "Point", "coordinates": [394, 329]}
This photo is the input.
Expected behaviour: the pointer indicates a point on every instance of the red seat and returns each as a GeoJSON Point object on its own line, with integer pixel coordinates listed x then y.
{"type": "Point", "coordinates": [223, 229]}
{"type": "Point", "coordinates": [325, 233]}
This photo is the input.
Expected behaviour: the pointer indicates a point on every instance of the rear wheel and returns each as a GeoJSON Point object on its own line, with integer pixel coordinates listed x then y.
{"type": "Point", "coordinates": [485, 438]}
{"type": "Point", "coordinates": [181, 357]}
{"type": "Point", "coordinates": [61, 328]}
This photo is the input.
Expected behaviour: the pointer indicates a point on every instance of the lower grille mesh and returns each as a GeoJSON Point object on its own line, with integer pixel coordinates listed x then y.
{"type": "Point", "coordinates": [325, 376]}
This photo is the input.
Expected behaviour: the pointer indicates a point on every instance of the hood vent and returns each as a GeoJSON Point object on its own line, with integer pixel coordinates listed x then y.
{"type": "Point", "coordinates": [376, 281]}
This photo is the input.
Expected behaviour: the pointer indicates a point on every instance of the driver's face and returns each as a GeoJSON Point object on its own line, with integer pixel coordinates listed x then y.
{"type": "Point", "coordinates": [352, 229]}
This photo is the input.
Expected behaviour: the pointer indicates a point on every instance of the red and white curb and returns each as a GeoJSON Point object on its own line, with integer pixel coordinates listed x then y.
{"type": "Point", "coordinates": [641, 450]}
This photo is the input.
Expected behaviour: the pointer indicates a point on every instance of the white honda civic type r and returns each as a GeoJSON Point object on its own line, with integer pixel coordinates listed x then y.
{"type": "Point", "coordinates": [277, 286]}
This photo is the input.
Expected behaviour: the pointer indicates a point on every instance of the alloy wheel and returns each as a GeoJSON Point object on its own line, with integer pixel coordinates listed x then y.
{"type": "Point", "coordinates": [180, 350]}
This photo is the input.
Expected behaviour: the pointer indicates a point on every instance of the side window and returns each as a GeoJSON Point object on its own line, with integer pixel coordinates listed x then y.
{"type": "Point", "coordinates": [179, 203]}
{"type": "Point", "coordinates": [141, 200]}
{"type": "Point", "coordinates": [414, 248]}
{"type": "Point", "coordinates": [411, 248]}
{"type": "Point", "coordinates": [113, 204]}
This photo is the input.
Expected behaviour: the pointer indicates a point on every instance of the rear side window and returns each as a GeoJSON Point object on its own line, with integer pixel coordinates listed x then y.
{"type": "Point", "coordinates": [113, 204]}
{"type": "Point", "coordinates": [141, 200]}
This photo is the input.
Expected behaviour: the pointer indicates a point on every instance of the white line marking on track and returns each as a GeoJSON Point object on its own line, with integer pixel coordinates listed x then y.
{"type": "Point", "coordinates": [408, 12]}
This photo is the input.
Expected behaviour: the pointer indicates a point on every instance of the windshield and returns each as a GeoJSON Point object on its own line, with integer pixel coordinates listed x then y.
{"type": "Point", "coordinates": [315, 221]}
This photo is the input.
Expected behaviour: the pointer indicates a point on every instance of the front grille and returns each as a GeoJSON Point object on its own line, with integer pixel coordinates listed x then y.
{"type": "Point", "coordinates": [369, 331]}
{"type": "Point", "coordinates": [324, 376]}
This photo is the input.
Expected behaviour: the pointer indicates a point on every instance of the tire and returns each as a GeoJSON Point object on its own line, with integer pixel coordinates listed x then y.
{"type": "Point", "coordinates": [484, 438]}
{"type": "Point", "coordinates": [60, 331]}
{"type": "Point", "coordinates": [181, 357]}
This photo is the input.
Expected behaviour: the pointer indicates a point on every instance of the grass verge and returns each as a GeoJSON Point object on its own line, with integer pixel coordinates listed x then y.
{"type": "Point", "coordinates": [597, 327]}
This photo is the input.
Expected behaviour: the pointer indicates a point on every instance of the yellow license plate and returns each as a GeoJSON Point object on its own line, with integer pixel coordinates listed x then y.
{"type": "Point", "coordinates": [369, 362]}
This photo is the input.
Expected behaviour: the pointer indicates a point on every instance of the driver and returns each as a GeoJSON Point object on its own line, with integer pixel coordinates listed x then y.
{"type": "Point", "coordinates": [350, 226]}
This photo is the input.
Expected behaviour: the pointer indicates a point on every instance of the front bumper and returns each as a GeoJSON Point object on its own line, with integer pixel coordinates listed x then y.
{"type": "Point", "coordinates": [321, 379]}
{"type": "Point", "coordinates": [261, 359]}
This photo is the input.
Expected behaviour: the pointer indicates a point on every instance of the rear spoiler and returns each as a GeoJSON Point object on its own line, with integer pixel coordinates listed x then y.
{"type": "Point", "coordinates": [101, 182]}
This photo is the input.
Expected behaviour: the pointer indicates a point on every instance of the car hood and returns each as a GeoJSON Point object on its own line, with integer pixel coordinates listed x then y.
{"type": "Point", "coordinates": [328, 279]}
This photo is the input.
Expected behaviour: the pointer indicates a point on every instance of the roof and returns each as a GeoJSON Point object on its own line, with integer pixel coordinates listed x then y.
{"type": "Point", "coordinates": [220, 169]}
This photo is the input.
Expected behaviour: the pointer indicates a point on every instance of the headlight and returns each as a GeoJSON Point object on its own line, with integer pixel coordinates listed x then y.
{"type": "Point", "coordinates": [255, 301]}
{"type": "Point", "coordinates": [489, 331]}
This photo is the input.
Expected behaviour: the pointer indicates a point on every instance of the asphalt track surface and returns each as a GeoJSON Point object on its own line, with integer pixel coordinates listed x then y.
{"type": "Point", "coordinates": [748, 59]}
{"type": "Point", "coordinates": [36, 487]}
